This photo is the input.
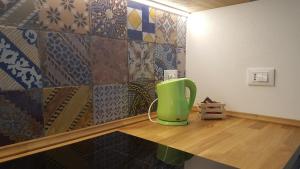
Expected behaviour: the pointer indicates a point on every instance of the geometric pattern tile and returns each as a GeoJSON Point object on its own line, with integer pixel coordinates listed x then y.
{"type": "Point", "coordinates": [166, 27]}
{"type": "Point", "coordinates": [108, 18]}
{"type": "Point", "coordinates": [19, 13]}
{"type": "Point", "coordinates": [65, 15]}
{"type": "Point", "coordinates": [65, 59]}
{"type": "Point", "coordinates": [141, 94]}
{"type": "Point", "coordinates": [181, 31]}
{"type": "Point", "coordinates": [140, 22]}
{"type": "Point", "coordinates": [141, 61]}
{"type": "Point", "coordinates": [165, 59]}
{"type": "Point", "coordinates": [180, 57]}
{"type": "Point", "coordinates": [66, 108]}
{"type": "Point", "coordinates": [21, 116]}
{"type": "Point", "coordinates": [109, 60]}
{"type": "Point", "coordinates": [19, 59]}
{"type": "Point", "coordinates": [110, 102]}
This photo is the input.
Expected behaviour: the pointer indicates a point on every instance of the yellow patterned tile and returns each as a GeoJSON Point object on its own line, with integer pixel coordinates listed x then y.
{"type": "Point", "coordinates": [151, 15]}
{"type": "Point", "coordinates": [135, 19]}
{"type": "Point", "coordinates": [148, 37]}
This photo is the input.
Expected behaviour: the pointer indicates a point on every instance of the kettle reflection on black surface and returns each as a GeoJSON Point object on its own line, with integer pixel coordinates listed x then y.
{"type": "Point", "coordinates": [172, 156]}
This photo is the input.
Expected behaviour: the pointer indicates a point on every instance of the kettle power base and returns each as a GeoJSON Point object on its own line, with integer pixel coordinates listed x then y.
{"type": "Point", "coordinates": [173, 123]}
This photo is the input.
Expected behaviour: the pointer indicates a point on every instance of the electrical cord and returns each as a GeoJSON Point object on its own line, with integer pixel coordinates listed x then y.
{"type": "Point", "coordinates": [149, 111]}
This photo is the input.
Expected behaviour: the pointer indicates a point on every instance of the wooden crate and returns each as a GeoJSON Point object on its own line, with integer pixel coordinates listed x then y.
{"type": "Point", "coordinates": [212, 111]}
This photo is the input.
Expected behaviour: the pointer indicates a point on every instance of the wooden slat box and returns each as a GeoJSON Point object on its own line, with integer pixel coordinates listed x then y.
{"type": "Point", "coordinates": [212, 111]}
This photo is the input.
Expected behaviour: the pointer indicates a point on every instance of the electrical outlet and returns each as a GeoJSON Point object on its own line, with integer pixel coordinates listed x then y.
{"type": "Point", "coordinates": [170, 74]}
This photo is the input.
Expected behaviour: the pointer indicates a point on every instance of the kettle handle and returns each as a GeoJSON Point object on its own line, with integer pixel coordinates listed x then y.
{"type": "Point", "coordinates": [192, 87]}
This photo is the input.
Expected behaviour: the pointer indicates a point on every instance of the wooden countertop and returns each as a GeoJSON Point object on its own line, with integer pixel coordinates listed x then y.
{"type": "Point", "coordinates": [239, 142]}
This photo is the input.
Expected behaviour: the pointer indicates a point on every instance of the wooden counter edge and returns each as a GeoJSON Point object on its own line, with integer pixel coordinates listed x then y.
{"type": "Point", "coordinates": [25, 148]}
{"type": "Point", "coordinates": [259, 117]}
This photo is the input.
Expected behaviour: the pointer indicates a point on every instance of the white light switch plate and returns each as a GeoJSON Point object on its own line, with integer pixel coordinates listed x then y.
{"type": "Point", "coordinates": [261, 76]}
{"type": "Point", "coordinates": [170, 74]}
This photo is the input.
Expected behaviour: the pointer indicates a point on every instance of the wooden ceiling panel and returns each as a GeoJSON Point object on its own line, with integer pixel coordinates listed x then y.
{"type": "Point", "coordinates": [199, 5]}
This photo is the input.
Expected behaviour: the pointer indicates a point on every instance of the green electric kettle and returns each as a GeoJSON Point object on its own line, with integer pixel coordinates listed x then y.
{"type": "Point", "coordinates": [173, 105]}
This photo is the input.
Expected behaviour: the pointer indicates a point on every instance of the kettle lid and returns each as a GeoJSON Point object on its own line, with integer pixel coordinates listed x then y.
{"type": "Point", "coordinates": [171, 81]}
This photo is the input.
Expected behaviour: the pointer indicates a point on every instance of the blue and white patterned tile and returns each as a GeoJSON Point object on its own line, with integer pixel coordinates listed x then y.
{"type": "Point", "coordinates": [181, 60]}
{"type": "Point", "coordinates": [19, 59]}
{"type": "Point", "coordinates": [109, 18]}
{"type": "Point", "coordinates": [19, 13]}
{"type": "Point", "coordinates": [110, 102]}
{"type": "Point", "coordinates": [181, 31]}
{"type": "Point", "coordinates": [165, 59]}
{"type": "Point", "coordinates": [140, 22]}
{"type": "Point", "coordinates": [65, 59]}
{"type": "Point", "coordinates": [141, 60]}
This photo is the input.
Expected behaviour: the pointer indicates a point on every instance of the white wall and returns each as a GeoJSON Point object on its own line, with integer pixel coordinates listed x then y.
{"type": "Point", "coordinates": [222, 43]}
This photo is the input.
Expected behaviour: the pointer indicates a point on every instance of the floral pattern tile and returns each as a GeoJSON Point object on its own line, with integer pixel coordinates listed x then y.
{"type": "Point", "coordinates": [181, 31]}
{"type": "Point", "coordinates": [65, 59]}
{"type": "Point", "coordinates": [141, 61]}
{"type": "Point", "coordinates": [109, 66]}
{"type": "Point", "coordinates": [140, 22]}
{"type": "Point", "coordinates": [109, 18]}
{"type": "Point", "coordinates": [21, 116]}
{"type": "Point", "coordinates": [19, 59]}
{"type": "Point", "coordinates": [65, 15]}
{"type": "Point", "coordinates": [165, 59]}
{"type": "Point", "coordinates": [181, 60]}
{"type": "Point", "coordinates": [141, 95]}
{"type": "Point", "coordinates": [66, 109]}
{"type": "Point", "coordinates": [19, 13]}
{"type": "Point", "coordinates": [166, 27]}
{"type": "Point", "coordinates": [110, 102]}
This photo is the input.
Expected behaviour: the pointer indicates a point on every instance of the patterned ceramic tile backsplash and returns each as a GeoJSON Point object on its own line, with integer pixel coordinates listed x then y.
{"type": "Point", "coordinates": [166, 27]}
{"type": "Point", "coordinates": [69, 64]}
{"type": "Point", "coordinates": [108, 18]}
{"type": "Point", "coordinates": [65, 15]}
{"type": "Point", "coordinates": [21, 116]}
{"type": "Point", "coordinates": [180, 59]}
{"type": "Point", "coordinates": [19, 60]}
{"type": "Point", "coordinates": [19, 13]}
{"type": "Point", "coordinates": [141, 60]}
{"type": "Point", "coordinates": [141, 94]}
{"type": "Point", "coordinates": [181, 31]}
{"type": "Point", "coordinates": [165, 58]}
{"type": "Point", "coordinates": [65, 57]}
{"type": "Point", "coordinates": [140, 22]}
{"type": "Point", "coordinates": [110, 102]}
{"type": "Point", "coordinates": [66, 108]}
{"type": "Point", "coordinates": [109, 66]}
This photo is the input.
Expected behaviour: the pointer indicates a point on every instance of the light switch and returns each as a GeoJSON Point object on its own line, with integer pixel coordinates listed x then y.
{"type": "Point", "coordinates": [261, 76]}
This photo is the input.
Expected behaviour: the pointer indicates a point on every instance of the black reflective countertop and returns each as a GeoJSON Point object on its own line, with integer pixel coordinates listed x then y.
{"type": "Point", "coordinates": [294, 162]}
{"type": "Point", "coordinates": [113, 151]}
